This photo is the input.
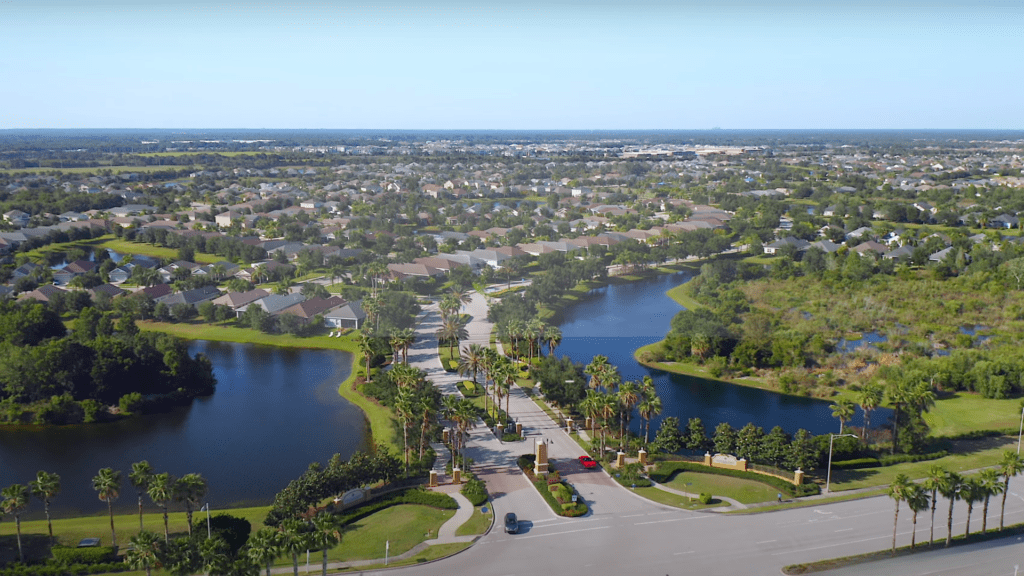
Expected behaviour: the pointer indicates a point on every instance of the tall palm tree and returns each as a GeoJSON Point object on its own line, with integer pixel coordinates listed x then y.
{"type": "Point", "coordinates": [265, 546]}
{"type": "Point", "coordinates": [296, 540]}
{"type": "Point", "coordinates": [607, 407]}
{"type": "Point", "coordinates": [107, 484]}
{"type": "Point", "coordinates": [365, 343]}
{"type": "Point", "coordinates": [588, 407]}
{"type": "Point", "coordinates": [427, 409]}
{"type": "Point", "coordinates": [970, 492]}
{"type": "Point", "coordinates": [465, 415]}
{"type": "Point", "coordinates": [140, 476]}
{"type": "Point", "coordinates": [898, 490]}
{"type": "Point", "coordinates": [951, 489]}
{"type": "Point", "coordinates": [934, 481]}
{"type": "Point", "coordinates": [514, 331]}
{"type": "Point", "coordinates": [407, 337]}
{"type": "Point", "coordinates": [990, 486]}
{"type": "Point", "coordinates": [46, 487]}
{"type": "Point", "coordinates": [15, 500]}
{"type": "Point", "coordinates": [628, 396]}
{"type": "Point", "coordinates": [325, 535]}
{"type": "Point", "coordinates": [449, 305]}
{"type": "Point", "coordinates": [596, 370]}
{"type": "Point", "coordinates": [554, 338]}
{"type": "Point", "coordinates": [843, 410]}
{"type": "Point", "coordinates": [870, 398]}
{"type": "Point", "coordinates": [161, 492]}
{"type": "Point", "coordinates": [404, 408]}
{"type": "Point", "coordinates": [395, 341]}
{"type": "Point", "coordinates": [649, 407]}
{"type": "Point", "coordinates": [917, 500]}
{"type": "Point", "coordinates": [190, 490]}
{"type": "Point", "coordinates": [452, 330]}
{"type": "Point", "coordinates": [142, 554]}
{"type": "Point", "coordinates": [472, 360]}
{"type": "Point", "coordinates": [534, 333]}
{"type": "Point", "coordinates": [1011, 465]}
{"type": "Point", "coordinates": [899, 394]}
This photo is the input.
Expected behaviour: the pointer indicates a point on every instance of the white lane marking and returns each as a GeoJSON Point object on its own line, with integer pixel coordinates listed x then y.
{"type": "Point", "coordinates": [844, 543]}
{"type": "Point", "coordinates": [669, 520]}
{"type": "Point", "coordinates": [632, 516]}
{"type": "Point", "coordinates": [766, 541]}
{"type": "Point", "coordinates": [681, 553]}
{"type": "Point", "coordinates": [566, 532]}
{"type": "Point", "coordinates": [844, 530]}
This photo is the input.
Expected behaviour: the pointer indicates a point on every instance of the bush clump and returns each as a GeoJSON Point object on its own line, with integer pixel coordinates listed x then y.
{"type": "Point", "coordinates": [666, 470]}
{"type": "Point", "coordinates": [705, 498]}
{"type": "Point", "coordinates": [90, 555]}
{"type": "Point", "coordinates": [856, 463]}
{"type": "Point", "coordinates": [475, 491]}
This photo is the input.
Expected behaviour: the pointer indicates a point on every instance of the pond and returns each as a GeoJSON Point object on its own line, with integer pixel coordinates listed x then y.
{"type": "Point", "coordinates": [274, 412]}
{"type": "Point", "coordinates": [617, 319]}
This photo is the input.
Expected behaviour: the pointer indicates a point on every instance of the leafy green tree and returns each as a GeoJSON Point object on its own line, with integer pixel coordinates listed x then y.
{"type": "Point", "coordinates": [46, 487]}
{"type": "Point", "coordinates": [15, 501]}
{"type": "Point", "coordinates": [107, 484]}
{"type": "Point", "coordinates": [669, 438]}
{"type": "Point", "coordinates": [649, 407]}
{"type": "Point", "coordinates": [724, 439]}
{"type": "Point", "coordinates": [697, 436]}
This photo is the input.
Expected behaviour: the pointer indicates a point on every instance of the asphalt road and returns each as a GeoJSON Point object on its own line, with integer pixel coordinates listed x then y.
{"type": "Point", "coordinates": [626, 534]}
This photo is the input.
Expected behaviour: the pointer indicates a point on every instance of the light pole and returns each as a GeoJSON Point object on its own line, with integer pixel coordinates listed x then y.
{"type": "Point", "coordinates": [1021, 427]}
{"type": "Point", "coordinates": [831, 438]}
{"type": "Point", "coordinates": [209, 531]}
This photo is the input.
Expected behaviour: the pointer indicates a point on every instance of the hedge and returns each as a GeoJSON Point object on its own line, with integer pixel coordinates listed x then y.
{"type": "Point", "coordinates": [55, 568]}
{"type": "Point", "coordinates": [475, 491]}
{"type": "Point", "coordinates": [88, 555]}
{"type": "Point", "coordinates": [901, 458]}
{"type": "Point", "coordinates": [666, 470]}
{"type": "Point", "coordinates": [562, 509]}
{"type": "Point", "coordinates": [856, 463]}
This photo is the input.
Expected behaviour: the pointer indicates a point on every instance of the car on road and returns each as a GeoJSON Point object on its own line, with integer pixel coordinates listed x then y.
{"type": "Point", "coordinates": [588, 462]}
{"type": "Point", "coordinates": [511, 524]}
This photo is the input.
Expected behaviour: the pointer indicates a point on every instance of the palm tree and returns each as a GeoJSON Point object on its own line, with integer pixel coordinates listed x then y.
{"type": "Point", "coordinates": [899, 395]}
{"type": "Point", "coordinates": [365, 343]}
{"type": "Point", "coordinates": [142, 554]}
{"type": "Point", "coordinates": [588, 407]}
{"type": "Point", "coordinates": [325, 535]}
{"type": "Point", "coordinates": [990, 485]}
{"type": "Point", "coordinates": [843, 410]}
{"type": "Point", "coordinates": [472, 360]}
{"type": "Point", "coordinates": [649, 407]}
{"type": "Point", "coordinates": [452, 330]}
{"type": "Point", "coordinates": [554, 338]}
{"type": "Point", "coordinates": [917, 499]}
{"type": "Point", "coordinates": [296, 540]}
{"type": "Point", "coordinates": [534, 333]}
{"type": "Point", "coordinates": [607, 406]}
{"type": "Point", "coordinates": [405, 411]}
{"type": "Point", "coordinates": [395, 341]}
{"type": "Point", "coordinates": [449, 305]}
{"type": "Point", "coordinates": [596, 370]}
{"type": "Point", "coordinates": [951, 489]}
{"type": "Point", "coordinates": [936, 478]}
{"type": "Point", "coordinates": [970, 492]}
{"type": "Point", "coordinates": [46, 486]}
{"type": "Point", "coordinates": [1011, 465]}
{"type": "Point", "coordinates": [465, 414]}
{"type": "Point", "coordinates": [870, 398]}
{"type": "Point", "coordinates": [161, 491]}
{"type": "Point", "coordinates": [107, 483]}
{"type": "Point", "coordinates": [15, 500]}
{"type": "Point", "coordinates": [898, 491]}
{"type": "Point", "coordinates": [407, 336]}
{"type": "Point", "coordinates": [427, 409]}
{"type": "Point", "coordinates": [190, 489]}
{"type": "Point", "coordinates": [140, 476]}
{"type": "Point", "coordinates": [265, 546]}
{"type": "Point", "coordinates": [628, 396]}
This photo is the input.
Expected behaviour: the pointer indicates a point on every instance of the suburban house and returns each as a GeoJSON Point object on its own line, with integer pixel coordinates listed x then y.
{"type": "Point", "coordinates": [308, 309]}
{"type": "Point", "coordinates": [235, 300]}
{"type": "Point", "coordinates": [193, 297]}
{"type": "Point", "coordinates": [797, 243]}
{"type": "Point", "coordinates": [273, 303]}
{"type": "Point", "coordinates": [348, 315]}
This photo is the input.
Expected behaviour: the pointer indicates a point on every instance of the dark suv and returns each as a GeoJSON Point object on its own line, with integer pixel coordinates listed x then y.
{"type": "Point", "coordinates": [511, 524]}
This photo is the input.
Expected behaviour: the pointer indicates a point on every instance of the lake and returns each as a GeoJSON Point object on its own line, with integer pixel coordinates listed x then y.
{"type": "Point", "coordinates": [617, 319]}
{"type": "Point", "coordinates": [274, 412]}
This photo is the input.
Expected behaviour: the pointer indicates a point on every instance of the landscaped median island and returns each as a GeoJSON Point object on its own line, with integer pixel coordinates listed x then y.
{"type": "Point", "coordinates": [559, 494]}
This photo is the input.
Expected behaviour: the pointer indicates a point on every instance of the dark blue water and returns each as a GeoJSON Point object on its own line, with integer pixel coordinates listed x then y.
{"type": "Point", "coordinates": [275, 410]}
{"type": "Point", "coordinates": [618, 319]}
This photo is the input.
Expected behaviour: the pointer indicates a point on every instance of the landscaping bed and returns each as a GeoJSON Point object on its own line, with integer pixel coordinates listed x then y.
{"type": "Point", "coordinates": [667, 470]}
{"type": "Point", "coordinates": [555, 491]}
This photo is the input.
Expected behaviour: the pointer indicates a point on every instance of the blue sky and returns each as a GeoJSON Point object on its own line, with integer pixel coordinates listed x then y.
{"type": "Point", "coordinates": [510, 64]}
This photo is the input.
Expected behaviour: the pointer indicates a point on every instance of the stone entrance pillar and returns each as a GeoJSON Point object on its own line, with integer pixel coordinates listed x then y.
{"type": "Point", "coordinates": [568, 425]}
{"type": "Point", "coordinates": [456, 476]}
{"type": "Point", "coordinates": [433, 478]}
{"type": "Point", "coordinates": [541, 465]}
{"type": "Point", "coordinates": [642, 456]}
{"type": "Point", "coordinates": [798, 477]}
{"type": "Point", "coordinates": [519, 428]}
{"type": "Point", "coordinates": [620, 459]}
{"type": "Point", "coordinates": [501, 430]}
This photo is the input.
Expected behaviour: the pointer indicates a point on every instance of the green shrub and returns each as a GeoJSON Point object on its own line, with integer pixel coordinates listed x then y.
{"type": "Point", "coordinates": [511, 437]}
{"type": "Point", "coordinates": [705, 498]}
{"type": "Point", "coordinates": [526, 461]}
{"type": "Point", "coordinates": [475, 491]}
{"type": "Point", "coordinates": [856, 463]}
{"type": "Point", "coordinates": [93, 555]}
{"type": "Point", "coordinates": [409, 496]}
{"type": "Point", "coordinates": [889, 460]}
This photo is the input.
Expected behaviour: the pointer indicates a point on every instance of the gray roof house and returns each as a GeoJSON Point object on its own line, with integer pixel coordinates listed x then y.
{"type": "Point", "coordinates": [273, 303]}
{"type": "Point", "coordinates": [348, 315]}
{"type": "Point", "coordinates": [774, 247]}
{"type": "Point", "coordinates": [193, 297]}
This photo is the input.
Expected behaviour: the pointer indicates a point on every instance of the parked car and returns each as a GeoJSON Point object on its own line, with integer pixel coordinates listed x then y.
{"type": "Point", "coordinates": [588, 462]}
{"type": "Point", "coordinates": [511, 524]}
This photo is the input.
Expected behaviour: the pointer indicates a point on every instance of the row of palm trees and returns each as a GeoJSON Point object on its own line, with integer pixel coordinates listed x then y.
{"type": "Point", "coordinates": [412, 405]}
{"type": "Point", "coordinates": [185, 556]}
{"type": "Point", "coordinates": [500, 370]}
{"type": "Point", "coordinates": [903, 395]}
{"type": "Point", "coordinates": [534, 334]}
{"type": "Point", "coordinates": [161, 488]}
{"type": "Point", "coordinates": [953, 486]}
{"type": "Point", "coordinates": [608, 397]}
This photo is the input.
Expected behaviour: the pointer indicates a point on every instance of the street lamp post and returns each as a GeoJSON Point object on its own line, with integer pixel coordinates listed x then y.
{"type": "Point", "coordinates": [209, 531]}
{"type": "Point", "coordinates": [832, 437]}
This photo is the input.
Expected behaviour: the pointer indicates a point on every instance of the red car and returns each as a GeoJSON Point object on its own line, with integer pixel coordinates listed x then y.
{"type": "Point", "coordinates": [588, 462]}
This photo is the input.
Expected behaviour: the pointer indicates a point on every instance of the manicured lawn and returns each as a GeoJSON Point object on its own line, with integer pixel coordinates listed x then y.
{"type": "Point", "coordinates": [966, 455]}
{"type": "Point", "coordinates": [965, 412]}
{"type": "Point", "coordinates": [445, 355]}
{"type": "Point", "coordinates": [682, 297]}
{"type": "Point", "coordinates": [198, 330]}
{"type": "Point", "coordinates": [403, 526]}
{"type": "Point", "coordinates": [430, 553]}
{"type": "Point", "coordinates": [126, 247]}
{"type": "Point", "coordinates": [746, 491]}
{"type": "Point", "coordinates": [478, 523]}
{"type": "Point", "coordinates": [670, 499]}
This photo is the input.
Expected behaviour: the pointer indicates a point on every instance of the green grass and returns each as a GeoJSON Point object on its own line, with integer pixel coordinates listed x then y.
{"type": "Point", "coordinates": [964, 412]}
{"type": "Point", "coordinates": [404, 526]}
{"type": "Point", "coordinates": [965, 455]}
{"type": "Point", "coordinates": [478, 523]}
{"type": "Point", "coordinates": [126, 247]}
{"type": "Point", "coordinates": [675, 500]}
{"type": "Point", "coordinates": [427, 555]}
{"type": "Point", "coordinates": [682, 297]}
{"type": "Point", "coordinates": [745, 491]}
{"type": "Point", "coordinates": [787, 504]}
{"type": "Point", "coordinates": [446, 355]}
{"type": "Point", "coordinates": [226, 332]}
